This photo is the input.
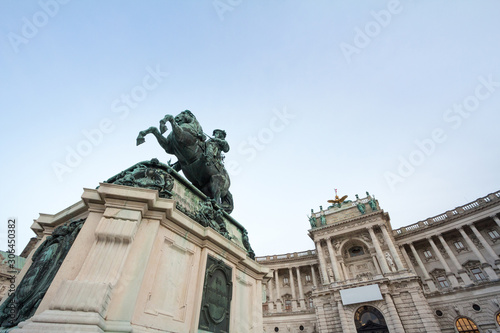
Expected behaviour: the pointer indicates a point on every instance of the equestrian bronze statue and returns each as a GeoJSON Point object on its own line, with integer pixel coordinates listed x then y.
{"type": "Point", "coordinates": [200, 160]}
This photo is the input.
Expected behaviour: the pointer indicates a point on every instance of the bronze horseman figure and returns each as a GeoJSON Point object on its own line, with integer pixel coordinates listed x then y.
{"type": "Point", "coordinates": [200, 160]}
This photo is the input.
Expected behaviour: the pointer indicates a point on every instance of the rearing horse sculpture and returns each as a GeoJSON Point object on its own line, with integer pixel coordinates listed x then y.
{"type": "Point", "coordinates": [187, 142]}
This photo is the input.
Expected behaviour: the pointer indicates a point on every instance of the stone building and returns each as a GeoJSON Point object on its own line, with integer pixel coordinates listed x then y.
{"type": "Point", "coordinates": [438, 275]}
{"type": "Point", "coordinates": [8, 270]}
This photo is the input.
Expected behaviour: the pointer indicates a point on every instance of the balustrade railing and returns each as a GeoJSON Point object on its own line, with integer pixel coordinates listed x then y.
{"type": "Point", "coordinates": [452, 213]}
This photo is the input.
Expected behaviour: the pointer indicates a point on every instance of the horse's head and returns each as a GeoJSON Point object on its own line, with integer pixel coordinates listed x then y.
{"type": "Point", "coordinates": [185, 117]}
{"type": "Point", "coordinates": [188, 121]}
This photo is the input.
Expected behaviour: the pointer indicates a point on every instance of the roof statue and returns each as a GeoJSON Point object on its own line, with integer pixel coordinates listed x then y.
{"type": "Point", "coordinates": [338, 201]}
{"type": "Point", "coordinates": [200, 160]}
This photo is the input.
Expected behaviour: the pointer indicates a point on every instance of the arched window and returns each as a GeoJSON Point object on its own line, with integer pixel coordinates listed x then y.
{"type": "Point", "coordinates": [369, 319]}
{"type": "Point", "coordinates": [465, 325]}
{"type": "Point", "coordinates": [356, 251]}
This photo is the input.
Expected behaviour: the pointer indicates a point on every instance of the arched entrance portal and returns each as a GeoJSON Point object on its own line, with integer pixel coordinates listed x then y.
{"type": "Point", "coordinates": [369, 320]}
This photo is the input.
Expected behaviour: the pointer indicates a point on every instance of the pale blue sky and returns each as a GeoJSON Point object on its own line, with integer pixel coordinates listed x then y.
{"type": "Point", "coordinates": [349, 117]}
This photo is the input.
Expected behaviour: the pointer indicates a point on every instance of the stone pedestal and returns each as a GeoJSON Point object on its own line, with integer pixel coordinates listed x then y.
{"type": "Point", "coordinates": [139, 264]}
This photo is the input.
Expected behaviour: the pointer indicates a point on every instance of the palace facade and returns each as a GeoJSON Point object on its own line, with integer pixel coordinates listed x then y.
{"type": "Point", "coordinates": [437, 275]}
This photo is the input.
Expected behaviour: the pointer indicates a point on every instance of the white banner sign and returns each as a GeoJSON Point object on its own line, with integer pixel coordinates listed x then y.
{"type": "Point", "coordinates": [361, 294]}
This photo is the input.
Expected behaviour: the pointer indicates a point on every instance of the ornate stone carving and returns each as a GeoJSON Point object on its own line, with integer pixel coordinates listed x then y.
{"type": "Point", "coordinates": [443, 251]}
{"type": "Point", "coordinates": [476, 242]}
{"type": "Point", "coordinates": [366, 237]}
{"type": "Point", "coordinates": [47, 259]}
{"type": "Point", "coordinates": [336, 246]}
{"type": "Point", "coordinates": [381, 239]}
{"type": "Point", "coordinates": [390, 262]}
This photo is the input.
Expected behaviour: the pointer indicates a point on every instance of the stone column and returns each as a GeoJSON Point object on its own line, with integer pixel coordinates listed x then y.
{"type": "Point", "coordinates": [378, 249]}
{"type": "Point", "coordinates": [496, 219]}
{"type": "Point", "coordinates": [484, 264]}
{"type": "Point", "coordinates": [427, 278]}
{"type": "Point", "coordinates": [333, 259]}
{"type": "Point", "coordinates": [301, 291]}
{"type": "Point", "coordinates": [292, 285]}
{"type": "Point", "coordinates": [424, 312]}
{"type": "Point", "coordinates": [278, 301]}
{"type": "Point", "coordinates": [392, 248]}
{"type": "Point", "coordinates": [463, 274]}
{"type": "Point", "coordinates": [343, 271]}
{"type": "Point", "coordinates": [271, 292]}
{"type": "Point", "coordinates": [449, 273]}
{"type": "Point", "coordinates": [322, 263]}
{"type": "Point", "coordinates": [394, 317]}
{"type": "Point", "coordinates": [486, 245]}
{"type": "Point", "coordinates": [375, 263]}
{"type": "Point", "coordinates": [346, 327]}
{"type": "Point", "coordinates": [321, 318]}
{"type": "Point", "coordinates": [313, 273]}
{"type": "Point", "coordinates": [407, 258]}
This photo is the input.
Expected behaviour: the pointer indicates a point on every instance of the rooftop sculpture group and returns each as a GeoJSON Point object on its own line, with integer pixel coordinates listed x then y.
{"type": "Point", "coordinates": [200, 160]}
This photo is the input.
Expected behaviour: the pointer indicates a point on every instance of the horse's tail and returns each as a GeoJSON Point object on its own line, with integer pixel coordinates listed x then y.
{"type": "Point", "coordinates": [227, 202]}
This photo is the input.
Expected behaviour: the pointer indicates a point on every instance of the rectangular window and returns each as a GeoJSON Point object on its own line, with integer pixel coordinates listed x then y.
{"type": "Point", "coordinates": [308, 278]}
{"type": "Point", "coordinates": [427, 254]}
{"type": "Point", "coordinates": [443, 282]}
{"type": "Point", "coordinates": [459, 245]}
{"type": "Point", "coordinates": [288, 305]}
{"type": "Point", "coordinates": [478, 274]}
{"type": "Point", "coordinates": [311, 303]}
{"type": "Point", "coordinates": [285, 281]}
{"type": "Point", "coordinates": [493, 234]}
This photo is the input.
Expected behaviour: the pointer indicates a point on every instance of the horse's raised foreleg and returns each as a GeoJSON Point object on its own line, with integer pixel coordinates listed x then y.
{"type": "Point", "coordinates": [140, 138]}
{"type": "Point", "coordinates": [163, 126]}
{"type": "Point", "coordinates": [152, 130]}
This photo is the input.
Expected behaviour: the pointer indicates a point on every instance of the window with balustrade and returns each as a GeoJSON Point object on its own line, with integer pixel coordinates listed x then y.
{"type": "Point", "coordinates": [443, 282]}
{"type": "Point", "coordinates": [285, 281]}
{"type": "Point", "coordinates": [478, 274]}
{"type": "Point", "coordinates": [427, 254]}
{"type": "Point", "coordinates": [494, 235]}
{"type": "Point", "coordinates": [459, 246]}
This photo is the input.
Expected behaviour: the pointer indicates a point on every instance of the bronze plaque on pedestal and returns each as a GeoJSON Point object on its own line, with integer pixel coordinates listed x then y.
{"type": "Point", "coordinates": [217, 294]}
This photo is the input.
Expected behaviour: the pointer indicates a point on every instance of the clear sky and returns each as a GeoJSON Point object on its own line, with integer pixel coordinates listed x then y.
{"type": "Point", "coordinates": [401, 99]}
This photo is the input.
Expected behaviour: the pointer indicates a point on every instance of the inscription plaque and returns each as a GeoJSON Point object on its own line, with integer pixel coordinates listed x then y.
{"type": "Point", "coordinates": [217, 294]}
